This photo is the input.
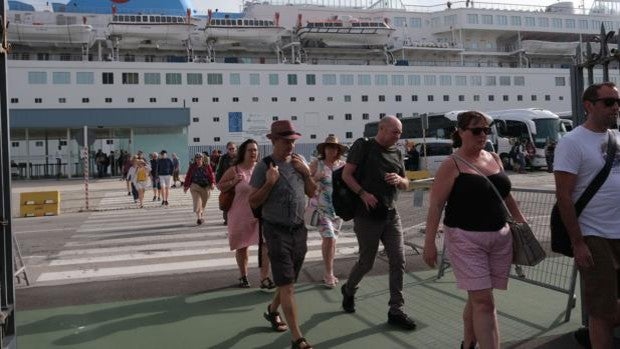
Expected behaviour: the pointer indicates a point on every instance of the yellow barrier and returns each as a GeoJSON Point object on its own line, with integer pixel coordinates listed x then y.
{"type": "Point", "coordinates": [416, 175]}
{"type": "Point", "coordinates": [39, 204]}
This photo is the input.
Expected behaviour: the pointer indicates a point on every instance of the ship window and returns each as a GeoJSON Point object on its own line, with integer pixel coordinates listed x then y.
{"type": "Point", "coordinates": [430, 98]}
{"type": "Point", "coordinates": [14, 100]}
{"type": "Point", "coordinates": [398, 98]}
{"type": "Point", "coordinates": [330, 117]}
{"type": "Point", "coordinates": [273, 79]}
{"type": "Point", "coordinates": [196, 139]}
{"type": "Point", "coordinates": [195, 99]}
{"type": "Point", "coordinates": [310, 79]}
{"type": "Point", "coordinates": [530, 21]}
{"type": "Point", "coordinates": [152, 78]}
{"type": "Point", "coordinates": [487, 19]}
{"type": "Point", "coordinates": [515, 21]}
{"type": "Point", "coordinates": [519, 98]}
{"type": "Point", "coordinates": [347, 98]}
{"type": "Point", "coordinates": [461, 98]}
{"type": "Point", "coordinates": [251, 22]}
{"type": "Point", "coordinates": [107, 78]}
{"type": "Point", "coordinates": [556, 23]}
{"type": "Point", "coordinates": [254, 79]}
{"type": "Point", "coordinates": [292, 79]}
{"type": "Point", "coordinates": [381, 98]}
{"type": "Point", "coordinates": [476, 80]}
{"type": "Point", "coordinates": [239, 22]}
{"type": "Point", "coordinates": [216, 139]}
{"type": "Point", "coordinates": [491, 98]}
{"type": "Point", "coordinates": [168, 19]}
{"type": "Point", "coordinates": [415, 22]}
{"type": "Point", "coordinates": [569, 23]}
{"type": "Point", "coordinates": [157, 19]}
{"type": "Point", "coordinates": [543, 22]}
{"type": "Point", "coordinates": [445, 80]}
{"type": "Point", "coordinates": [329, 79]}
{"type": "Point", "coordinates": [37, 78]}
{"type": "Point", "coordinates": [583, 24]}
{"type": "Point", "coordinates": [504, 80]}
{"type": "Point", "coordinates": [560, 81]}
{"type": "Point", "coordinates": [502, 20]}
{"type": "Point", "coordinates": [145, 18]}
{"type": "Point", "coordinates": [131, 78]}
{"type": "Point", "coordinates": [560, 98]}
{"type": "Point", "coordinates": [234, 79]}
{"type": "Point", "coordinates": [194, 78]}
{"type": "Point", "coordinates": [398, 80]}
{"type": "Point", "coordinates": [173, 79]}
{"type": "Point", "coordinates": [61, 78]}
{"type": "Point", "coordinates": [132, 18]}
{"type": "Point", "coordinates": [381, 115]}
{"type": "Point", "coordinates": [153, 100]}
{"type": "Point", "coordinates": [476, 98]}
{"type": "Point", "coordinates": [274, 118]}
{"type": "Point", "coordinates": [460, 80]}
{"type": "Point", "coordinates": [151, 18]}
{"type": "Point", "coordinates": [195, 119]}
{"type": "Point", "coordinates": [534, 98]}
{"type": "Point", "coordinates": [348, 135]}
{"type": "Point", "coordinates": [215, 79]}
{"type": "Point", "coordinates": [364, 80]}
{"type": "Point", "coordinates": [311, 99]}
{"type": "Point", "coordinates": [414, 98]}
{"type": "Point", "coordinates": [355, 25]}
{"type": "Point", "coordinates": [15, 144]}
{"type": "Point", "coordinates": [519, 80]}
{"type": "Point", "coordinates": [294, 99]}
{"type": "Point", "coordinates": [364, 98]}
{"type": "Point", "coordinates": [215, 99]}
{"type": "Point", "coordinates": [261, 23]}
{"type": "Point", "coordinates": [413, 80]}
{"type": "Point", "coordinates": [85, 100]}
{"type": "Point", "coordinates": [446, 98]}
{"type": "Point", "coordinates": [138, 18]}
{"type": "Point", "coordinates": [108, 100]}
{"type": "Point", "coordinates": [490, 81]}
{"type": "Point", "coordinates": [227, 22]}
{"type": "Point", "coordinates": [131, 100]}
{"type": "Point", "coordinates": [43, 56]}
{"type": "Point", "coordinates": [38, 143]}
{"type": "Point", "coordinates": [365, 116]}
{"type": "Point", "coordinates": [254, 99]}
{"type": "Point", "coordinates": [274, 99]}
{"type": "Point", "coordinates": [38, 100]}
{"type": "Point", "coordinates": [381, 80]}
{"type": "Point", "coordinates": [216, 119]}
{"type": "Point", "coordinates": [430, 80]}
{"type": "Point", "coordinates": [348, 116]}
{"type": "Point", "coordinates": [270, 23]}
{"type": "Point", "coordinates": [347, 79]}
{"type": "Point", "coordinates": [293, 117]}
{"type": "Point", "coordinates": [547, 97]}
{"type": "Point", "coordinates": [115, 18]}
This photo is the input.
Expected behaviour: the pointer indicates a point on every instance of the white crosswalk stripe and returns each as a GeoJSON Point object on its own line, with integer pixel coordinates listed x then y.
{"type": "Point", "coordinates": [126, 241]}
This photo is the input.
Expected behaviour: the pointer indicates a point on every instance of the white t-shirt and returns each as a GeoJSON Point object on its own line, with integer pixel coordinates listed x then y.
{"type": "Point", "coordinates": [583, 152]}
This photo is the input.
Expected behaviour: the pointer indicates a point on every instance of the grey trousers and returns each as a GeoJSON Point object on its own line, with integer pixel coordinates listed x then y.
{"type": "Point", "coordinates": [369, 232]}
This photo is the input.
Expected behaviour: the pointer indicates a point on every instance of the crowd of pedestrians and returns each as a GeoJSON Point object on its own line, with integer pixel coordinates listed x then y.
{"type": "Point", "coordinates": [272, 191]}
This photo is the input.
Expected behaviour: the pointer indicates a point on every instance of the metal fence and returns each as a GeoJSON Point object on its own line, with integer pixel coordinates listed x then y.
{"type": "Point", "coordinates": [556, 272]}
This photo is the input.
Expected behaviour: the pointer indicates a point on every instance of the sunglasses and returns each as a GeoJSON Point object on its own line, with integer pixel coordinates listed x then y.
{"type": "Point", "coordinates": [478, 130]}
{"type": "Point", "coordinates": [608, 102]}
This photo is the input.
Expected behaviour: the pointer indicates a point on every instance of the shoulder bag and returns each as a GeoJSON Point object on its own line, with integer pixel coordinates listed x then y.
{"type": "Point", "coordinates": [311, 213]}
{"type": "Point", "coordinates": [526, 250]}
{"type": "Point", "coordinates": [345, 201]}
{"type": "Point", "coordinates": [226, 197]}
{"type": "Point", "coordinates": [560, 241]}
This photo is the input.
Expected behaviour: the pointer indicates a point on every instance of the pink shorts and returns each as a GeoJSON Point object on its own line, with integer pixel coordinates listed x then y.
{"type": "Point", "coordinates": [480, 259]}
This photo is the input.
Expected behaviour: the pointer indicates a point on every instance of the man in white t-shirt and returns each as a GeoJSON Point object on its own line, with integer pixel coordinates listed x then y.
{"type": "Point", "coordinates": [595, 234]}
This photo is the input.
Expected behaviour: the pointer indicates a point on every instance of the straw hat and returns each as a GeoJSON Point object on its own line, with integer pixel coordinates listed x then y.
{"type": "Point", "coordinates": [331, 140]}
{"type": "Point", "coordinates": [283, 129]}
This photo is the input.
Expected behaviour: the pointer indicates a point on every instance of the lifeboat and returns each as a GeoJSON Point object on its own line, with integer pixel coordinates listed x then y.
{"type": "Point", "coordinates": [344, 32]}
{"type": "Point", "coordinates": [243, 31]}
{"type": "Point", "coordinates": [63, 32]}
{"type": "Point", "coordinates": [140, 28]}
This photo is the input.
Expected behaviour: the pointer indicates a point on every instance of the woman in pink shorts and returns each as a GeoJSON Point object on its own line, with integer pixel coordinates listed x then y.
{"type": "Point", "coordinates": [477, 237]}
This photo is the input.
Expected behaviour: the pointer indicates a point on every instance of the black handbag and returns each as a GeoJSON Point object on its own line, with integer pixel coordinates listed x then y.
{"type": "Point", "coordinates": [560, 241]}
{"type": "Point", "coordinates": [526, 250]}
{"type": "Point", "coordinates": [345, 201]}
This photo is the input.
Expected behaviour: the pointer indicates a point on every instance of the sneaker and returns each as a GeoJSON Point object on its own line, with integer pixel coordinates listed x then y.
{"type": "Point", "coordinates": [582, 336]}
{"type": "Point", "coordinates": [401, 320]}
{"type": "Point", "coordinates": [243, 282]}
{"type": "Point", "coordinates": [348, 302]}
{"type": "Point", "coordinates": [154, 198]}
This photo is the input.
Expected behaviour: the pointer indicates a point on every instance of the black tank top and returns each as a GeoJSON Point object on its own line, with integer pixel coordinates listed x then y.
{"type": "Point", "coordinates": [473, 204]}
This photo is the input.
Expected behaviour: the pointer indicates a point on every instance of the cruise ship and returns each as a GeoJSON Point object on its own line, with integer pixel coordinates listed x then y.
{"type": "Point", "coordinates": [154, 74]}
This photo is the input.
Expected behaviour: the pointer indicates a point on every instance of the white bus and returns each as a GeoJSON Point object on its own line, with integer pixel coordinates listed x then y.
{"type": "Point", "coordinates": [537, 126]}
{"type": "Point", "coordinates": [566, 117]}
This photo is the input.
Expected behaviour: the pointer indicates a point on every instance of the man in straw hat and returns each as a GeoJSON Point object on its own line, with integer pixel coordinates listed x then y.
{"type": "Point", "coordinates": [376, 218]}
{"type": "Point", "coordinates": [280, 184]}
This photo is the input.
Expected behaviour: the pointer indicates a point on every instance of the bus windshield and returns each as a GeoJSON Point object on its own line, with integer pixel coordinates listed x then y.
{"type": "Point", "coordinates": [547, 129]}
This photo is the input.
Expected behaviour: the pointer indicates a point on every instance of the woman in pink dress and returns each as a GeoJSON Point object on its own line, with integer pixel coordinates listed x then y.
{"type": "Point", "coordinates": [242, 225]}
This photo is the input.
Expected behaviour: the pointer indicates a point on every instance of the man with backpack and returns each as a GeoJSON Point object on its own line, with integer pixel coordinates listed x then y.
{"type": "Point", "coordinates": [376, 218]}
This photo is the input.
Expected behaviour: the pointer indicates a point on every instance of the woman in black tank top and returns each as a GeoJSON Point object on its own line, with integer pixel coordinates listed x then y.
{"type": "Point", "coordinates": [477, 238]}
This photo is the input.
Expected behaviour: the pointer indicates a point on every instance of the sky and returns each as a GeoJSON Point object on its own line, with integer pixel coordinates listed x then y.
{"type": "Point", "coordinates": [235, 5]}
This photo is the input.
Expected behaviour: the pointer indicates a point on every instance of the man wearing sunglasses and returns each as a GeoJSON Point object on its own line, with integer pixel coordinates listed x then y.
{"type": "Point", "coordinates": [595, 234]}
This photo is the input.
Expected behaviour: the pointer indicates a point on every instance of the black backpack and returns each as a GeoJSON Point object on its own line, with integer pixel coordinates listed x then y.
{"type": "Point", "coordinates": [345, 201]}
{"type": "Point", "coordinates": [258, 211]}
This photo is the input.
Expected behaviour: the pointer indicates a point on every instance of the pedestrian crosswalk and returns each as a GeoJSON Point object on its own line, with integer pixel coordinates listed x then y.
{"type": "Point", "coordinates": [125, 241]}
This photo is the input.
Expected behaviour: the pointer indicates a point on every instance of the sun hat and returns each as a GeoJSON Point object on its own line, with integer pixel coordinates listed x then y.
{"type": "Point", "coordinates": [283, 129]}
{"type": "Point", "coordinates": [331, 140]}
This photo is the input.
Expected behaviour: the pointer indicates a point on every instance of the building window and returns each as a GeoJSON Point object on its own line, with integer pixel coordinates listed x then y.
{"type": "Point", "coordinates": [348, 116]}
{"type": "Point", "coordinates": [195, 119]}
{"type": "Point", "coordinates": [235, 99]}
{"type": "Point", "coordinates": [330, 117]}
{"type": "Point", "coordinates": [85, 78]}
{"type": "Point", "coordinates": [108, 100]}
{"type": "Point", "coordinates": [381, 98]}
{"type": "Point", "coordinates": [107, 78]}
{"type": "Point", "coordinates": [130, 78]}
{"type": "Point", "coordinates": [348, 135]}
{"type": "Point", "coordinates": [173, 79]}
{"type": "Point", "coordinates": [153, 100]}
{"type": "Point", "coordinates": [85, 100]}
{"type": "Point", "coordinates": [152, 78]}
{"type": "Point", "coordinates": [194, 79]}
{"type": "Point", "coordinates": [61, 78]}
{"type": "Point", "coordinates": [174, 100]}
{"type": "Point", "coordinates": [38, 100]}
{"type": "Point", "coordinates": [365, 116]}
{"type": "Point", "coordinates": [215, 79]}
{"type": "Point", "coordinates": [274, 99]}
{"type": "Point", "coordinates": [398, 98]}
{"type": "Point", "coordinates": [216, 119]}
{"type": "Point", "coordinates": [130, 100]}
{"type": "Point", "coordinates": [37, 78]}
{"type": "Point", "coordinates": [430, 98]}
{"type": "Point", "coordinates": [194, 99]}
{"type": "Point", "coordinates": [196, 139]}
{"type": "Point", "coordinates": [215, 99]}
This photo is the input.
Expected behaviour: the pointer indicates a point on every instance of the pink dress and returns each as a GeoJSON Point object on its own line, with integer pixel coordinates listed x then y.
{"type": "Point", "coordinates": [242, 225]}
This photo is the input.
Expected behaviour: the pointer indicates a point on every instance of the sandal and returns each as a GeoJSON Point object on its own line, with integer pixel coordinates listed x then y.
{"type": "Point", "coordinates": [274, 318]}
{"type": "Point", "coordinates": [244, 283]}
{"type": "Point", "coordinates": [267, 284]}
{"type": "Point", "coordinates": [297, 344]}
{"type": "Point", "coordinates": [330, 281]}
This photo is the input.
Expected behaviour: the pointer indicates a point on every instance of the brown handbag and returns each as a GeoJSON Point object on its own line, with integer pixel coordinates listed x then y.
{"type": "Point", "coordinates": [226, 197]}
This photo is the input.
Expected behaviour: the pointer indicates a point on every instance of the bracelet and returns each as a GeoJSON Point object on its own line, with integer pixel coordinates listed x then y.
{"type": "Point", "coordinates": [360, 192]}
